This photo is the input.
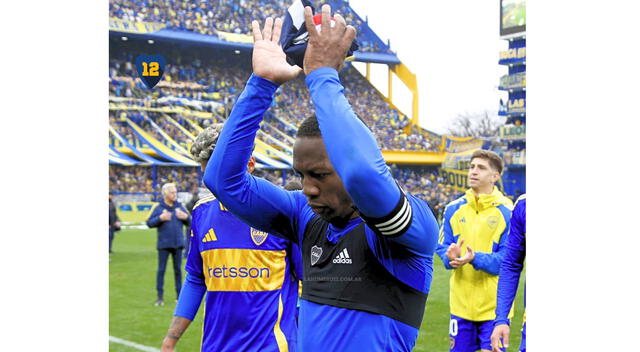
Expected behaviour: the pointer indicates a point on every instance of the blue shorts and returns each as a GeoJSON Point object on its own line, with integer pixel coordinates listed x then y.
{"type": "Point", "coordinates": [469, 336]}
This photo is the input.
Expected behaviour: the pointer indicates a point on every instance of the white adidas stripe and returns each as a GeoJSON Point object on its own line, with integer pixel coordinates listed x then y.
{"type": "Point", "coordinates": [343, 254]}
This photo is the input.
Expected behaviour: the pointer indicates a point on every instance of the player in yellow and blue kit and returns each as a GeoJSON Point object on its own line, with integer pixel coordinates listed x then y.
{"type": "Point", "coordinates": [479, 219]}
{"type": "Point", "coordinates": [248, 276]}
{"type": "Point", "coordinates": [510, 271]}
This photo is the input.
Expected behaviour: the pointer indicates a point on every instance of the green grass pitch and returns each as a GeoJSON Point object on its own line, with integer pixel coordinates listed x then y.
{"type": "Point", "coordinates": [133, 317]}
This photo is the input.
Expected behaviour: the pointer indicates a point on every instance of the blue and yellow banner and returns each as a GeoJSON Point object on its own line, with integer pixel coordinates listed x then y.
{"type": "Point", "coordinates": [515, 106]}
{"type": "Point", "coordinates": [118, 25]}
{"type": "Point", "coordinates": [513, 55]}
{"type": "Point", "coordinates": [457, 179]}
{"type": "Point", "coordinates": [461, 144]}
{"type": "Point", "coordinates": [513, 132]}
{"type": "Point", "coordinates": [516, 80]}
{"type": "Point", "coordinates": [134, 212]}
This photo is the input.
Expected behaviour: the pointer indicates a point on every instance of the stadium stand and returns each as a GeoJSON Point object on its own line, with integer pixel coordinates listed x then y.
{"type": "Point", "coordinates": [229, 16]}
{"type": "Point", "coordinates": [199, 87]}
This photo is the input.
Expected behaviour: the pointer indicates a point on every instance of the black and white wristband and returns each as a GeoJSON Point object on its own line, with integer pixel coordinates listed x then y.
{"type": "Point", "coordinates": [396, 222]}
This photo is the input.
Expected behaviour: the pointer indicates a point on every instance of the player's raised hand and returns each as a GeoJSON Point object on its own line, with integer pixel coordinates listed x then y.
{"type": "Point", "coordinates": [500, 336]}
{"type": "Point", "coordinates": [328, 46]}
{"type": "Point", "coordinates": [269, 61]}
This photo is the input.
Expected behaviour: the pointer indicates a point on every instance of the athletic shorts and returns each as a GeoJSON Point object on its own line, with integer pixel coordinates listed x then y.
{"type": "Point", "coordinates": [469, 336]}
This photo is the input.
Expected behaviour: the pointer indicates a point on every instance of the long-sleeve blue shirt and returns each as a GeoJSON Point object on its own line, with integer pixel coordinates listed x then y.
{"type": "Point", "coordinates": [513, 261]}
{"type": "Point", "coordinates": [359, 163]}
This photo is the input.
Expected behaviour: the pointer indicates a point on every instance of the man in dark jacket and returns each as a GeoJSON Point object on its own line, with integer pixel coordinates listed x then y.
{"type": "Point", "coordinates": [169, 216]}
{"type": "Point", "coordinates": [114, 221]}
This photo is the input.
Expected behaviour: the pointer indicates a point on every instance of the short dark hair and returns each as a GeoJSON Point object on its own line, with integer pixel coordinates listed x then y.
{"type": "Point", "coordinates": [492, 157]}
{"type": "Point", "coordinates": [310, 127]}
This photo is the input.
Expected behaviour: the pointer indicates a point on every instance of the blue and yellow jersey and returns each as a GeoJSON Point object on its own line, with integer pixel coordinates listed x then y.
{"type": "Point", "coordinates": [251, 289]}
{"type": "Point", "coordinates": [513, 261]}
{"type": "Point", "coordinates": [484, 225]}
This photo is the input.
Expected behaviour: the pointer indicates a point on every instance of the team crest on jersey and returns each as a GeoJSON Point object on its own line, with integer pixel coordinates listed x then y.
{"type": "Point", "coordinates": [492, 221]}
{"type": "Point", "coordinates": [316, 252]}
{"type": "Point", "coordinates": [258, 237]}
{"type": "Point", "coordinates": [452, 343]}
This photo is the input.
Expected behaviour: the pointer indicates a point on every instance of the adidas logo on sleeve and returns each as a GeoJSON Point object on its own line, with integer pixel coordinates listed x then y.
{"type": "Point", "coordinates": [342, 258]}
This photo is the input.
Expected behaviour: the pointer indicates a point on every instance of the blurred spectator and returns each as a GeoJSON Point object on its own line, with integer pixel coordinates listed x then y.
{"type": "Point", "coordinates": [169, 216]}
{"type": "Point", "coordinates": [114, 221]}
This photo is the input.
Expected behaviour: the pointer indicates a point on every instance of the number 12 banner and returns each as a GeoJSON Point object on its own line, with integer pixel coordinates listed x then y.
{"type": "Point", "coordinates": [150, 69]}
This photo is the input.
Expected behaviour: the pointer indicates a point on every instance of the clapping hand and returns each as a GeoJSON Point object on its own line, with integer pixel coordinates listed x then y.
{"type": "Point", "coordinates": [269, 61]}
{"type": "Point", "coordinates": [468, 257]}
{"type": "Point", "coordinates": [328, 46]}
{"type": "Point", "coordinates": [453, 251]}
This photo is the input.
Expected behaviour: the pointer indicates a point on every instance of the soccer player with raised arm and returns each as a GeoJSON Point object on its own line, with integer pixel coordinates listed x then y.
{"type": "Point", "coordinates": [367, 247]}
{"type": "Point", "coordinates": [247, 274]}
{"type": "Point", "coordinates": [510, 271]}
{"type": "Point", "coordinates": [480, 219]}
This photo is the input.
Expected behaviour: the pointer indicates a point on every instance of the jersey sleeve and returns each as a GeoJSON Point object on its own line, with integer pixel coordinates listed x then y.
{"type": "Point", "coordinates": [355, 156]}
{"type": "Point", "coordinates": [194, 286]}
{"type": "Point", "coordinates": [255, 201]}
{"type": "Point", "coordinates": [194, 260]}
{"type": "Point", "coordinates": [446, 236]}
{"type": "Point", "coordinates": [512, 264]}
{"type": "Point", "coordinates": [490, 262]}
{"type": "Point", "coordinates": [190, 297]}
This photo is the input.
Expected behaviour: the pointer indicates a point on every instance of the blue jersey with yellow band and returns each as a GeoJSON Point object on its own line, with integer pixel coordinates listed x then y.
{"type": "Point", "coordinates": [399, 237]}
{"type": "Point", "coordinates": [251, 288]}
{"type": "Point", "coordinates": [513, 261]}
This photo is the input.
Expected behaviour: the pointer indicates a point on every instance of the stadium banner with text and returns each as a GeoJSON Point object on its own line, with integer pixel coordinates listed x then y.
{"type": "Point", "coordinates": [457, 179]}
{"type": "Point", "coordinates": [118, 25]}
{"type": "Point", "coordinates": [513, 55]}
{"type": "Point", "coordinates": [513, 132]}
{"type": "Point", "coordinates": [516, 80]}
{"type": "Point", "coordinates": [459, 161]}
{"type": "Point", "coordinates": [516, 106]}
{"type": "Point", "coordinates": [461, 144]}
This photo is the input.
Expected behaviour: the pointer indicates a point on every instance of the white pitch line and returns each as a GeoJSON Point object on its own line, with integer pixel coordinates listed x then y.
{"type": "Point", "coordinates": [133, 344]}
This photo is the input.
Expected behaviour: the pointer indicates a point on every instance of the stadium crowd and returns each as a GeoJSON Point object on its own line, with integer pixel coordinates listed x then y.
{"type": "Point", "coordinates": [230, 16]}
{"type": "Point", "coordinates": [213, 86]}
{"type": "Point", "coordinates": [423, 182]}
